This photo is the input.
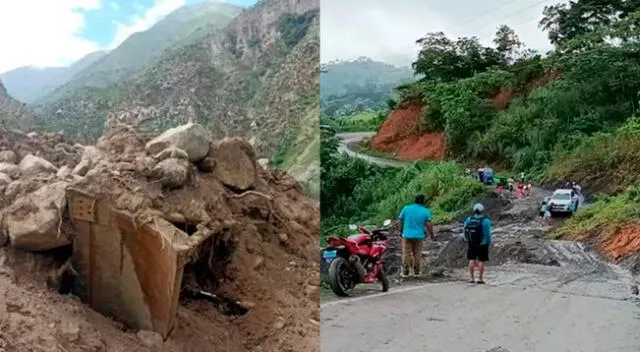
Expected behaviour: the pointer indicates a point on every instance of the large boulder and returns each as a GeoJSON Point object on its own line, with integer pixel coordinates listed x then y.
{"type": "Point", "coordinates": [32, 165]}
{"type": "Point", "coordinates": [8, 156]}
{"type": "Point", "coordinates": [5, 180]}
{"type": "Point", "coordinates": [235, 163]}
{"type": "Point", "coordinates": [33, 221]}
{"type": "Point", "coordinates": [11, 170]}
{"type": "Point", "coordinates": [172, 172]}
{"type": "Point", "coordinates": [193, 138]}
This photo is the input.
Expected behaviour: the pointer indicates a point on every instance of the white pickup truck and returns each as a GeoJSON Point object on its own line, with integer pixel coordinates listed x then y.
{"type": "Point", "coordinates": [563, 201]}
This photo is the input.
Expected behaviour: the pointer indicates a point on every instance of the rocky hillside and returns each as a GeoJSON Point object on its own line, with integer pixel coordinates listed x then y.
{"type": "Point", "coordinates": [256, 78]}
{"type": "Point", "coordinates": [13, 113]}
{"type": "Point", "coordinates": [144, 48]}
{"type": "Point", "coordinates": [28, 84]}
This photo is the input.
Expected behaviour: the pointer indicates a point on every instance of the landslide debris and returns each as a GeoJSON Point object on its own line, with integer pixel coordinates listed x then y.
{"type": "Point", "coordinates": [262, 254]}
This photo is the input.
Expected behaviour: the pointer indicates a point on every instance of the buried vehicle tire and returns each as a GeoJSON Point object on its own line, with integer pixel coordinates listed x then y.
{"type": "Point", "coordinates": [341, 277]}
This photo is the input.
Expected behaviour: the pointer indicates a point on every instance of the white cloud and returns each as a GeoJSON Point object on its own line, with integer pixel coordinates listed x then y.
{"type": "Point", "coordinates": [141, 23]}
{"type": "Point", "coordinates": [43, 32]}
{"type": "Point", "coordinates": [387, 30]}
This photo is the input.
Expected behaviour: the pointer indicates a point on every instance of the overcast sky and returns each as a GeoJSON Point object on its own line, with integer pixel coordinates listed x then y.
{"type": "Point", "coordinates": [59, 32]}
{"type": "Point", "coordinates": [386, 30]}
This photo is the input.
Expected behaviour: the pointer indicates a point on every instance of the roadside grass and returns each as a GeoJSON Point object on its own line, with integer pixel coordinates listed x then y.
{"type": "Point", "coordinates": [382, 194]}
{"type": "Point", "coordinates": [378, 154]}
{"type": "Point", "coordinates": [363, 121]}
{"type": "Point", "coordinates": [608, 162]}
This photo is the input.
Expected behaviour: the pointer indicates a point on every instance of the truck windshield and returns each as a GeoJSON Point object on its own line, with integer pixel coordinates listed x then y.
{"type": "Point", "coordinates": [561, 196]}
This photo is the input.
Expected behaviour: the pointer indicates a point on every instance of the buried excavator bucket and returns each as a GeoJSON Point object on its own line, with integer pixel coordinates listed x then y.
{"type": "Point", "coordinates": [129, 271]}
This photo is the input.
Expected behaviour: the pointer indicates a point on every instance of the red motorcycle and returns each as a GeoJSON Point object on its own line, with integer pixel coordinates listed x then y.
{"type": "Point", "coordinates": [357, 259]}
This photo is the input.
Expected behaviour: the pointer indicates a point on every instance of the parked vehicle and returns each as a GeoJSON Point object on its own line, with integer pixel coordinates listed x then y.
{"type": "Point", "coordinates": [485, 176]}
{"type": "Point", "coordinates": [357, 259]}
{"type": "Point", "coordinates": [562, 201]}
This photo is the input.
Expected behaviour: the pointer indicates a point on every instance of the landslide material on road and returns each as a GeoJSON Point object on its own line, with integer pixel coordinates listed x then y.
{"type": "Point", "coordinates": [401, 134]}
{"type": "Point", "coordinates": [262, 252]}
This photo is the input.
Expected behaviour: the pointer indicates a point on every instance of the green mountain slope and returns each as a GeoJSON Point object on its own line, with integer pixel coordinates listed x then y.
{"type": "Point", "coordinates": [143, 48]}
{"type": "Point", "coordinates": [28, 84]}
{"type": "Point", "coordinates": [13, 113]}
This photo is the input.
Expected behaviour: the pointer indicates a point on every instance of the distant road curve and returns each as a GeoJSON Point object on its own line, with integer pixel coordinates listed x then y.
{"type": "Point", "coordinates": [349, 138]}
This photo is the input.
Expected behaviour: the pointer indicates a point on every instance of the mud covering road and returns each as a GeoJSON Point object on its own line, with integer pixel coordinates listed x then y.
{"type": "Point", "coordinates": [541, 295]}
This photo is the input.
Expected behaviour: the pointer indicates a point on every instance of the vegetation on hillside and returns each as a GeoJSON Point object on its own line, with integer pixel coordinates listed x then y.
{"type": "Point", "coordinates": [354, 191]}
{"type": "Point", "coordinates": [293, 27]}
{"type": "Point", "coordinates": [508, 105]}
{"type": "Point", "coordinates": [363, 121]}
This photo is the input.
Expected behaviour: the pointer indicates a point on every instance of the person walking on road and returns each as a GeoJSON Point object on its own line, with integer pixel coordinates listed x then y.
{"type": "Point", "coordinates": [477, 233]}
{"type": "Point", "coordinates": [414, 220]}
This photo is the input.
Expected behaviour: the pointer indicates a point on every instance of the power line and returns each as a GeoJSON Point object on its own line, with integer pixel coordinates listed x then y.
{"type": "Point", "coordinates": [463, 23]}
{"type": "Point", "coordinates": [485, 13]}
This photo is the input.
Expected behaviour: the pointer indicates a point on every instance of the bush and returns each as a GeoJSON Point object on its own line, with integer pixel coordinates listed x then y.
{"type": "Point", "coordinates": [605, 159]}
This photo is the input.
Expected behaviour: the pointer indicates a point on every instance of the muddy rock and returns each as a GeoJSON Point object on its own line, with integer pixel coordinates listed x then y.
{"type": "Point", "coordinates": [33, 220]}
{"type": "Point", "coordinates": [82, 168]}
{"type": "Point", "coordinates": [64, 171]}
{"type": "Point", "coordinates": [10, 170]}
{"type": "Point", "coordinates": [69, 331]}
{"type": "Point", "coordinates": [206, 165]}
{"type": "Point", "coordinates": [264, 162]}
{"type": "Point", "coordinates": [193, 138]}
{"type": "Point", "coordinates": [32, 165]}
{"type": "Point", "coordinates": [8, 156]}
{"type": "Point", "coordinates": [172, 173]}
{"type": "Point", "coordinates": [5, 180]}
{"type": "Point", "coordinates": [92, 154]}
{"type": "Point", "coordinates": [235, 163]}
{"type": "Point", "coordinates": [171, 152]}
{"type": "Point", "coordinates": [151, 339]}
{"type": "Point", "coordinates": [14, 188]}
{"type": "Point", "coordinates": [125, 166]}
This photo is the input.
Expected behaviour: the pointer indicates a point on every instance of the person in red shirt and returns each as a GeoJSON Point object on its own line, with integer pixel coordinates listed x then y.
{"type": "Point", "coordinates": [520, 190]}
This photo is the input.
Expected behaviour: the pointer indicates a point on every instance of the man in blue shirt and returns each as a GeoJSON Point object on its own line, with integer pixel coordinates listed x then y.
{"type": "Point", "coordinates": [477, 232]}
{"type": "Point", "coordinates": [414, 220]}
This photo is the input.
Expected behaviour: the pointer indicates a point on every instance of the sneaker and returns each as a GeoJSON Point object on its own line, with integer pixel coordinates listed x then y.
{"type": "Point", "coordinates": [411, 273]}
{"type": "Point", "coordinates": [404, 275]}
{"type": "Point", "coordinates": [480, 282]}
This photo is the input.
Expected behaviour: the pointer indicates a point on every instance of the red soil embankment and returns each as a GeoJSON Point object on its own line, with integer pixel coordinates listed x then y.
{"type": "Point", "coordinates": [402, 135]}
{"type": "Point", "coordinates": [623, 243]}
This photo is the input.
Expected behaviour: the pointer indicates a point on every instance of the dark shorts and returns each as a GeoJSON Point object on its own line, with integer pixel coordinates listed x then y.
{"type": "Point", "coordinates": [480, 253]}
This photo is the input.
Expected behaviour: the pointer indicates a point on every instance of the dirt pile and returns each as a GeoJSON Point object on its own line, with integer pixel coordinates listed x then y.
{"type": "Point", "coordinates": [262, 251]}
{"type": "Point", "coordinates": [401, 134]}
{"type": "Point", "coordinates": [619, 244]}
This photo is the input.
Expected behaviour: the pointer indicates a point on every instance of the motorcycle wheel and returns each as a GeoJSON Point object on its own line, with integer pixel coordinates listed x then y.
{"type": "Point", "coordinates": [384, 281]}
{"type": "Point", "coordinates": [341, 277]}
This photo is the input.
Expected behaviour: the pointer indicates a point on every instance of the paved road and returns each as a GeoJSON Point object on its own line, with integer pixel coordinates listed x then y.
{"type": "Point", "coordinates": [521, 309]}
{"type": "Point", "coordinates": [347, 138]}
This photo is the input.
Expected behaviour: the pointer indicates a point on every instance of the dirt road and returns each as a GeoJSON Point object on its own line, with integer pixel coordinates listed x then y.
{"type": "Point", "coordinates": [346, 139]}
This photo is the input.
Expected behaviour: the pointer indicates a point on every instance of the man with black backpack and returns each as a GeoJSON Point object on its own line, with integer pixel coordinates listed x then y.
{"type": "Point", "coordinates": [477, 233]}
